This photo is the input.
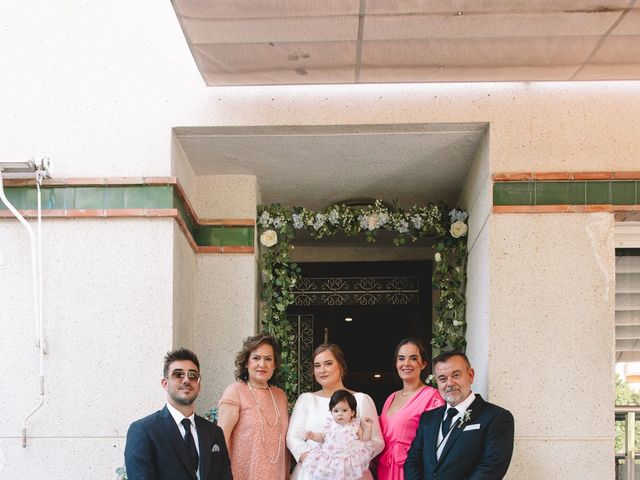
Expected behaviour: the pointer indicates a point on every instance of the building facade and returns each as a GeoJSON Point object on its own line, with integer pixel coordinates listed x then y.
{"type": "Point", "coordinates": [101, 91]}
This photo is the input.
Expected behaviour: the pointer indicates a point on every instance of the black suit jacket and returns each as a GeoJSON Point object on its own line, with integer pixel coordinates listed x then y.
{"type": "Point", "coordinates": [480, 449]}
{"type": "Point", "coordinates": [155, 450]}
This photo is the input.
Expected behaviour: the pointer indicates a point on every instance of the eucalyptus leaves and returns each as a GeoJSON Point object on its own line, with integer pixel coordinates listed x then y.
{"type": "Point", "coordinates": [279, 224]}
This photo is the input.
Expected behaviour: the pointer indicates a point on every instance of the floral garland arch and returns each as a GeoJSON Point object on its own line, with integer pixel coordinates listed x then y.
{"type": "Point", "coordinates": [278, 225]}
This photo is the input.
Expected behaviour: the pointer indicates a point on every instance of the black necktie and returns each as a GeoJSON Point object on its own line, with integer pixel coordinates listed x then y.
{"type": "Point", "coordinates": [191, 445]}
{"type": "Point", "coordinates": [446, 423]}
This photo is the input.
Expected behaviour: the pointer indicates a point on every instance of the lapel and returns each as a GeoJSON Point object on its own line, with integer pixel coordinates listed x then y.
{"type": "Point", "coordinates": [205, 442]}
{"type": "Point", "coordinates": [173, 434]}
{"type": "Point", "coordinates": [475, 410]}
{"type": "Point", "coordinates": [433, 430]}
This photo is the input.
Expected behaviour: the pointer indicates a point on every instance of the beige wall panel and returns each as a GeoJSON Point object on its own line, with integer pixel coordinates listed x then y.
{"type": "Point", "coordinates": [98, 89]}
{"type": "Point", "coordinates": [562, 459]}
{"type": "Point", "coordinates": [184, 265]}
{"type": "Point", "coordinates": [108, 321]}
{"type": "Point", "coordinates": [181, 169]}
{"type": "Point", "coordinates": [479, 341]}
{"type": "Point", "coordinates": [476, 194]}
{"type": "Point", "coordinates": [534, 126]}
{"type": "Point", "coordinates": [62, 458]}
{"type": "Point", "coordinates": [226, 196]}
{"type": "Point", "coordinates": [224, 315]}
{"type": "Point", "coordinates": [476, 200]}
{"type": "Point", "coordinates": [552, 323]}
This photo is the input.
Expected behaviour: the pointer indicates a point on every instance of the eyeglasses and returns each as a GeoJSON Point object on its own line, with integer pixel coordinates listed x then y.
{"type": "Point", "coordinates": [192, 375]}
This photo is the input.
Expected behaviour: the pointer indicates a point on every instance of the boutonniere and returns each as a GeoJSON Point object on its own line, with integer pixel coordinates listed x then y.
{"type": "Point", "coordinates": [466, 416]}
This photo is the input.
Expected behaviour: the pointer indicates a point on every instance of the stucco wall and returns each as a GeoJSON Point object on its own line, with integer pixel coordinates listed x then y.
{"type": "Point", "coordinates": [224, 316]}
{"type": "Point", "coordinates": [551, 341]}
{"type": "Point", "coordinates": [184, 268]}
{"type": "Point", "coordinates": [108, 321]}
{"type": "Point", "coordinates": [226, 196]}
{"type": "Point", "coordinates": [98, 89]}
{"type": "Point", "coordinates": [476, 199]}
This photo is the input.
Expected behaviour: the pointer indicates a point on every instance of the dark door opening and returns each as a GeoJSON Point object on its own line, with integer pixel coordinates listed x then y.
{"type": "Point", "coordinates": [385, 302]}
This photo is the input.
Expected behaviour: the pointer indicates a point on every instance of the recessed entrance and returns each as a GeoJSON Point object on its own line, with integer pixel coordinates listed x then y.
{"type": "Point", "coordinates": [366, 308]}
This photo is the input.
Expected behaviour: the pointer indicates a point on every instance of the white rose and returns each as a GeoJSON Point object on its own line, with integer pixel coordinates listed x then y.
{"type": "Point", "coordinates": [458, 229]}
{"type": "Point", "coordinates": [438, 257]}
{"type": "Point", "coordinates": [372, 222]}
{"type": "Point", "coordinates": [269, 238]}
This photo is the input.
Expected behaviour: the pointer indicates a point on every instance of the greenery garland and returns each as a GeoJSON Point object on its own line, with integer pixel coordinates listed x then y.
{"type": "Point", "coordinates": [278, 225]}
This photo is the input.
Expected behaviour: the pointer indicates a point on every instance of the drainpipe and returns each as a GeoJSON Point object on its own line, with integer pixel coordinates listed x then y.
{"type": "Point", "coordinates": [41, 169]}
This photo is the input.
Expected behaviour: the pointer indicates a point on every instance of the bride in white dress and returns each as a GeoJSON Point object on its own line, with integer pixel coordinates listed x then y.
{"type": "Point", "coordinates": [312, 409]}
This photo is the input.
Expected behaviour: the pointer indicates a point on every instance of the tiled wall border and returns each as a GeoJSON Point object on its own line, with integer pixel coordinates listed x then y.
{"type": "Point", "coordinates": [131, 197]}
{"type": "Point", "coordinates": [568, 192]}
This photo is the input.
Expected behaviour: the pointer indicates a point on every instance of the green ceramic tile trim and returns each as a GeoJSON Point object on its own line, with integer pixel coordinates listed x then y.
{"type": "Point", "coordinates": [113, 197]}
{"type": "Point", "coordinates": [625, 193]}
{"type": "Point", "coordinates": [224, 236]}
{"type": "Point", "coordinates": [184, 213]}
{"type": "Point", "coordinates": [513, 193]}
{"type": "Point", "coordinates": [91, 198]}
{"type": "Point", "coordinates": [577, 192]}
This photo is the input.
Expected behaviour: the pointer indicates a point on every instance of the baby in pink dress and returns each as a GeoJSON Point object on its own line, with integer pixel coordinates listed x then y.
{"type": "Point", "coordinates": [345, 448]}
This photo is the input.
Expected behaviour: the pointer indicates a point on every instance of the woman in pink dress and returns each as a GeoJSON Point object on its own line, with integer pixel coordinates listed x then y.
{"type": "Point", "coordinates": [402, 410]}
{"type": "Point", "coordinates": [253, 414]}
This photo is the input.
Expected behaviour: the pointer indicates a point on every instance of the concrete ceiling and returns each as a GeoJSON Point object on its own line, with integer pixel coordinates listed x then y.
{"type": "Point", "coordinates": [274, 42]}
{"type": "Point", "coordinates": [313, 166]}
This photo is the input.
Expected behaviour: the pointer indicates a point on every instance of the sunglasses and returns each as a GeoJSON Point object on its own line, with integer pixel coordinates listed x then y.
{"type": "Point", "coordinates": [179, 374]}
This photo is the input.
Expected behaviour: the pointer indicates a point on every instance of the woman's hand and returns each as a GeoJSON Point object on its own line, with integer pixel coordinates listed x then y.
{"type": "Point", "coordinates": [302, 457]}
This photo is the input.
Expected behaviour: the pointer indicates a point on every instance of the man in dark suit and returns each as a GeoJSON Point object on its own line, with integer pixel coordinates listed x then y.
{"type": "Point", "coordinates": [466, 439]}
{"type": "Point", "coordinates": [175, 443]}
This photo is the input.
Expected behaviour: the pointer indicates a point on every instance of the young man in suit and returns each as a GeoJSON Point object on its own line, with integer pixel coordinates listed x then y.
{"type": "Point", "coordinates": [466, 439]}
{"type": "Point", "coordinates": [175, 443]}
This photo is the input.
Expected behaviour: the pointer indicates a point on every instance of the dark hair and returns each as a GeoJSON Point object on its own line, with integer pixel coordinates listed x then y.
{"type": "Point", "coordinates": [179, 354]}
{"type": "Point", "coordinates": [445, 356]}
{"type": "Point", "coordinates": [421, 350]}
{"type": "Point", "coordinates": [337, 353]}
{"type": "Point", "coordinates": [249, 345]}
{"type": "Point", "coordinates": [343, 396]}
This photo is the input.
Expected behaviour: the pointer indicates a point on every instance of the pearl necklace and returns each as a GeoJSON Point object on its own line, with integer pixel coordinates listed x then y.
{"type": "Point", "coordinates": [258, 386]}
{"type": "Point", "coordinates": [264, 420]}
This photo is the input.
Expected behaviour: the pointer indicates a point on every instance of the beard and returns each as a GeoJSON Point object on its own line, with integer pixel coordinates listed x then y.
{"type": "Point", "coordinates": [182, 399]}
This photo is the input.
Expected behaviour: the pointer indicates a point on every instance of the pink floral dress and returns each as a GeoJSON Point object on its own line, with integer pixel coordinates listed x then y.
{"type": "Point", "coordinates": [342, 456]}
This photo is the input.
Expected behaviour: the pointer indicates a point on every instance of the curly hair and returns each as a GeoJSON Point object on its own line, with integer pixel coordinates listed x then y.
{"type": "Point", "coordinates": [249, 345]}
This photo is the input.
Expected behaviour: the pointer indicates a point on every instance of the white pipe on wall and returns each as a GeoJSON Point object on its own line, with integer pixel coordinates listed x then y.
{"type": "Point", "coordinates": [34, 253]}
{"type": "Point", "coordinates": [36, 267]}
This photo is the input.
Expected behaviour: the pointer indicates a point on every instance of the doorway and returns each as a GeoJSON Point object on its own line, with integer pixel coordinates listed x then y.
{"type": "Point", "coordinates": [366, 308]}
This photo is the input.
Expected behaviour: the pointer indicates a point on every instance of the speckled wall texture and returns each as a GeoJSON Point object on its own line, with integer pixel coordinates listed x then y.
{"type": "Point", "coordinates": [551, 338]}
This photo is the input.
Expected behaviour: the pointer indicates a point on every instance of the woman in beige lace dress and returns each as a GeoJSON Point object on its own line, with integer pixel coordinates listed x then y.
{"type": "Point", "coordinates": [253, 414]}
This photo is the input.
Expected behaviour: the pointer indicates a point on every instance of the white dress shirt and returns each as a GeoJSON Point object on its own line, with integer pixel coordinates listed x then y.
{"type": "Point", "coordinates": [461, 407]}
{"type": "Point", "coordinates": [178, 417]}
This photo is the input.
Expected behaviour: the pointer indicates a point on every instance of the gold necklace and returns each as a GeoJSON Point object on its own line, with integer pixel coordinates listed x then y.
{"type": "Point", "coordinates": [264, 420]}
